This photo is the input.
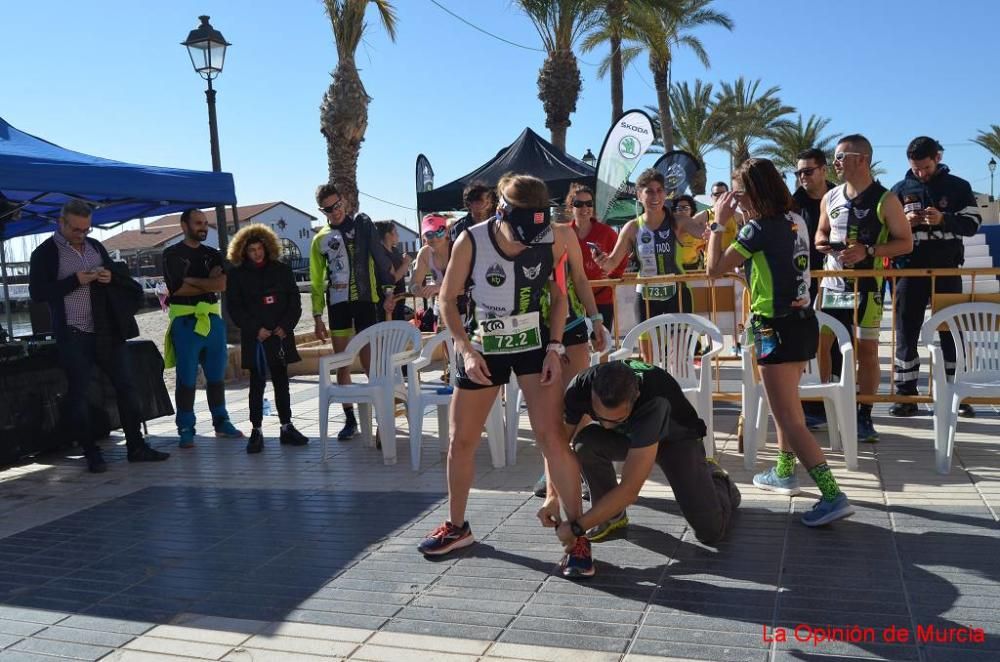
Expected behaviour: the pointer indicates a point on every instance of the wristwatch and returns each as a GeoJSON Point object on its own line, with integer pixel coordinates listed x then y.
{"type": "Point", "coordinates": [870, 250]}
{"type": "Point", "coordinates": [577, 530]}
{"type": "Point", "coordinates": [556, 347]}
{"type": "Point", "coordinates": [716, 227]}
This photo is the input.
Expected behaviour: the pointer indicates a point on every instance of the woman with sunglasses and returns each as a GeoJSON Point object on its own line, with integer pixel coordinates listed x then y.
{"type": "Point", "coordinates": [432, 260]}
{"type": "Point", "coordinates": [595, 239]}
{"type": "Point", "coordinates": [509, 261]}
{"type": "Point", "coordinates": [775, 241]}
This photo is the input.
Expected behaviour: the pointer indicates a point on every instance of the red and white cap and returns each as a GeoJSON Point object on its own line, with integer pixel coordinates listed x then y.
{"type": "Point", "coordinates": [433, 223]}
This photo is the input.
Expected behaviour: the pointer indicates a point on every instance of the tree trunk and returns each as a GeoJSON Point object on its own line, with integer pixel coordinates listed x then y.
{"type": "Point", "coordinates": [700, 180]}
{"type": "Point", "coordinates": [559, 87]}
{"type": "Point", "coordinates": [343, 121]}
{"type": "Point", "coordinates": [616, 12]}
{"type": "Point", "coordinates": [662, 83]}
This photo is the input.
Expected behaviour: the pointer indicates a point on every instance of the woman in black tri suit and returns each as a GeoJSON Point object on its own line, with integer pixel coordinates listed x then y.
{"type": "Point", "coordinates": [506, 264]}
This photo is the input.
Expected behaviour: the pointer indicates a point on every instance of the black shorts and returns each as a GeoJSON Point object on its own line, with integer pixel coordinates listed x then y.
{"type": "Point", "coordinates": [577, 335]}
{"type": "Point", "coordinates": [500, 366]}
{"type": "Point", "coordinates": [790, 339]}
{"type": "Point", "coordinates": [607, 311]}
{"type": "Point", "coordinates": [348, 317]}
{"type": "Point", "coordinates": [659, 307]}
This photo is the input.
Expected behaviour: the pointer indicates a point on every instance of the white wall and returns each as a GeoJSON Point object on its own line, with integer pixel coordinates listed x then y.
{"type": "Point", "coordinates": [297, 225]}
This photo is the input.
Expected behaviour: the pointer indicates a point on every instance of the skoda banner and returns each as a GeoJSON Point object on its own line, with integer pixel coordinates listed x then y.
{"type": "Point", "coordinates": [425, 175]}
{"type": "Point", "coordinates": [626, 142]}
{"type": "Point", "coordinates": [678, 169]}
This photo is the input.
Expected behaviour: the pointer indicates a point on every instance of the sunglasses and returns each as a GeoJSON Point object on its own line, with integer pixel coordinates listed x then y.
{"type": "Point", "coordinates": [682, 208]}
{"type": "Point", "coordinates": [333, 207]}
{"type": "Point", "coordinates": [583, 203]}
{"type": "Point", "coordinates": [435, 234]}
{"type": "Point", "coordinates": [616, 422]}
{"type": "Point", "coordinates": [840, 156]}
{"type": "Point", "coordinates": [806, 172]}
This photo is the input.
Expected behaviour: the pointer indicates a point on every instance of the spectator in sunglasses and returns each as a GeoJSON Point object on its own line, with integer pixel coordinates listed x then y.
{"type": "Point", "coordinates": [432, 261]}
{"type": "Point", "coordinates": [596, 239]}
{"type": "Point", "coordinates": [481, 200]}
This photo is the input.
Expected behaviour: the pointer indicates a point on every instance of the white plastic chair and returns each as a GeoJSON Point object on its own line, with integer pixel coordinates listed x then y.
{"type": "Point", "coordinates": [514, 402]}
{"type": "Point", "coordinates": [393, 345]}
{"type": "Point", "coordinates": [421, 396]}
{"type": "Point", "coordinates": [674, 338]}
{"type": "Point", "coordinates": [975, 328]}
{"type": "Point", "coordinates": [839, 399]}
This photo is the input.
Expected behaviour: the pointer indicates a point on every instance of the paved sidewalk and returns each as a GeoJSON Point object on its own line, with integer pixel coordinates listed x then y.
{"type": "Point", "coordinates": [218, 555]}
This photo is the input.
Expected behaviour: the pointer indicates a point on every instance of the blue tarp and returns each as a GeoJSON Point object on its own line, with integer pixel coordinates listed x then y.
{"type": "Point", "coordinates": [39, 177]}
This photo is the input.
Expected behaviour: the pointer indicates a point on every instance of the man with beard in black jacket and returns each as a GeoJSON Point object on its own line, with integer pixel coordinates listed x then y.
{"type": "Point", "coordinates": [941, 210]}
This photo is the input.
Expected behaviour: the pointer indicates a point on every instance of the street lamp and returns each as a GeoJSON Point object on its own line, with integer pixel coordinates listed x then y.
{"type": "Point", "coordinates": [207, 48]}
{"type": "Point", "coordinates": [589, 158]}
{"type": "Point", "coordinates": [992, 166]}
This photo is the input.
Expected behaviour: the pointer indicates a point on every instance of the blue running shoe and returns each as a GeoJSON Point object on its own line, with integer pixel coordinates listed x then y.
{"type": "Point", "coordinates": [446, 538]}
{"type": "Point", "coordinates": [824, 512]}
{"type": "Point", "coordinates": [815, 422]}
{"type": "Point", "coordinates": [186, 437]}
{"type": "Point", "coordinates": [578, 564]}
{"type": "Point", "coordinates": [770, 481]}
{"type": "Point", "coordinates": [226, 430]}
{"type": "Point", "coordinates": [866, 429]}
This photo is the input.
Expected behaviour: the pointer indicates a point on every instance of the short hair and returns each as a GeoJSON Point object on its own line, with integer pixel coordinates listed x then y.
{"type": "Point", "coordinates": [186, 215]}
{"type": "Point", "coordinates": [384, 228]}
{"type": "Point", "coordinates": [648, 176]}
{"type": "Point", "coordinates": [857, 141]}
{"type": "Point", "coordinates": [923, 147]}
{"type": "Point", "coordinates": [76, 208]}
{"type": "Point", "coordinates": [615, 384]}
{"type": "Point", "coordinates": [325, 191]}
{"type": "Point", "coordinates": [765, 187]}
{"type": "Point", "coordinates": [685, 198]}
{"type": "Point", "coordinates": [722, 184]}
{"type": "Point", "coordinates": [475, 190]}
{"type": "Point", "coordinates": [812, 154]}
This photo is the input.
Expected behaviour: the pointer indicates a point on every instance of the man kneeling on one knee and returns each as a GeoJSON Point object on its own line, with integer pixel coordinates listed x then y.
{"type": "Point", "coordinates": [642, 417]}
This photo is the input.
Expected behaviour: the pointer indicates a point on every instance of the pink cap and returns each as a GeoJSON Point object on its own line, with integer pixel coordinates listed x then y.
{"type": "Point", "coordinates": [433, 223]}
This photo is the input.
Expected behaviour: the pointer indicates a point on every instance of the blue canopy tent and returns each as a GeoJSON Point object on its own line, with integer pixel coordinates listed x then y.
{"type": "Point", "coordinates": [37, 178]}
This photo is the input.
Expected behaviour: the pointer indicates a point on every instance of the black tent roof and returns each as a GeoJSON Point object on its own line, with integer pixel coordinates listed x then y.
{"type": "Point", "coordinates": [530, 154]}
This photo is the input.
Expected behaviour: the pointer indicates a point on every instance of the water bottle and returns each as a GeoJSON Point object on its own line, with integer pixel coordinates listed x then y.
{"type": "Point", "coordinates": [267, 407]}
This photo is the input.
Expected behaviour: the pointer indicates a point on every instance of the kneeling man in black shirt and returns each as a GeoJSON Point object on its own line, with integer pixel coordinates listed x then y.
{"type": "Point", "coordinates": [636, 412]}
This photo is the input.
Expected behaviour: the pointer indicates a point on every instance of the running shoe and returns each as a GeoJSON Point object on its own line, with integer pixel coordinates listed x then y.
{"type": "Point", "coordinates": [578, 564]}
{"type": "Point", "coordinates": [349, 431]}
{"type": "Point", "coordinates": [292, 437]}
{"type": "Point", "coordinates": [903, 409]}
{"type": "Point", "coordinates": [965, 410]}
{"type": "Point", "coordinates": [602, 531]}
{"type": "Point", "coordinates": [866, 429]}
{"type": "Point", "coordinates": [541, 488]}
{"type": "Point", "coordinates": [824, 512]}
{"type": "Point", "coordinates": [816, 422]}
{"type": "Point", "coordinates": [256, 443]}
{"type": "Point", "coordinates": [770, 481]}
{"type": "Point", "coordinates": [446, 538]}
{"type": "Point", "coordinates": [225, 429]}
{"type": "Point", "coordinates": [95, 460]}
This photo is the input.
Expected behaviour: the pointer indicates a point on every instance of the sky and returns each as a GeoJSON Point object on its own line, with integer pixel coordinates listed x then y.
{"type": "Point", "coordinates": [110, 78]}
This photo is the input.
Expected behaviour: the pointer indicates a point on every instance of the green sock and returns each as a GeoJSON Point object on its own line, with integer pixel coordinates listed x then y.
{"type": "Point", "coordinates": [786, 464]}
{"type": "Point", "coordinates": [825, 481]}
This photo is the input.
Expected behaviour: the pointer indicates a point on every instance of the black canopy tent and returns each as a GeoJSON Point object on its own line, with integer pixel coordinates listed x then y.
{"type": "Point", "coordinates": [529, 154]}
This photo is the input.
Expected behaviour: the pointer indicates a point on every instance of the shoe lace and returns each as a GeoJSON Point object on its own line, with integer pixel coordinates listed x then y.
{"type": "Point", "coordinates": [444, 531]}
{"type": "Point", "coordinates": [581, 548]}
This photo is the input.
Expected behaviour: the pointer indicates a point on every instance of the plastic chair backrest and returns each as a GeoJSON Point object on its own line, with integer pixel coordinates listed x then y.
{"type": "Point", "coordinates": [674, 340]}
{"type": "Point", "coordinates": [825, 320]}
{"type": "Point", "coordinates": [384, 340]}
{"type": "Point", "coordinates": [975, 328]}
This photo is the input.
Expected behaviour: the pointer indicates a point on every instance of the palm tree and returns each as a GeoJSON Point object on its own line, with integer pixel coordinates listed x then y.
{"type": "Point", "coordinates": [788, 140]}
{"type": "Point", "coordinates": [344, 111]}
{"type": "Point", "coordinates": [696, 125]}
{"type": "Point", "coordinates": [659, 33]}
{"type": "Point", "coordinates": [617, 19]}
{"type": "Point", "coordinates": [749, 115]}
{"type": "Point", "coordinates": [990, 141]}
{"type": "Point", "coordinates": [560, 23]}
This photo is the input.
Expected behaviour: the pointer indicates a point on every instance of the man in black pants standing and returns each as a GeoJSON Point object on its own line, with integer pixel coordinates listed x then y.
{"type": "Point", "coordinates": [810, 173]}
{"type": "Point", "coordinates": [642, 417]}
{"type": "Point", "coordinates": [941, 210]}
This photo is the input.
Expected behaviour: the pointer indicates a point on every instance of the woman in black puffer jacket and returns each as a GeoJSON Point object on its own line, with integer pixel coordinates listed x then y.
{"type": "Point", "coordinates": [263, 300]}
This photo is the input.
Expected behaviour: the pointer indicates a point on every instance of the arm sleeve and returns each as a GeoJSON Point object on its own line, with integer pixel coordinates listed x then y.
{"type": "Point", "coordinates": [42, 286]}
{"type": "Point", "coordinates": [293, 312]}
{"type": "Point", "coordinates": [174, 270]}
{"type": "Point", "coordinates": [317, 275]}
{"type": "Point", "coordinates": [966, 222]}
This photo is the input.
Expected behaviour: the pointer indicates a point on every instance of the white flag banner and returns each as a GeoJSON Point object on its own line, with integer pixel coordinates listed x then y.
{"type": "Point", "coordinates": [627, 140]}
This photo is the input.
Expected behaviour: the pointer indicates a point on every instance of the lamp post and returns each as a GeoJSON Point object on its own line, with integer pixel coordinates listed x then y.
{"type": "Point", "coordinates": [207, 48]}
{"type": "Point", "coordinates": [589, 158]}
{"type": "Point", "coordinates": [992, 166]}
